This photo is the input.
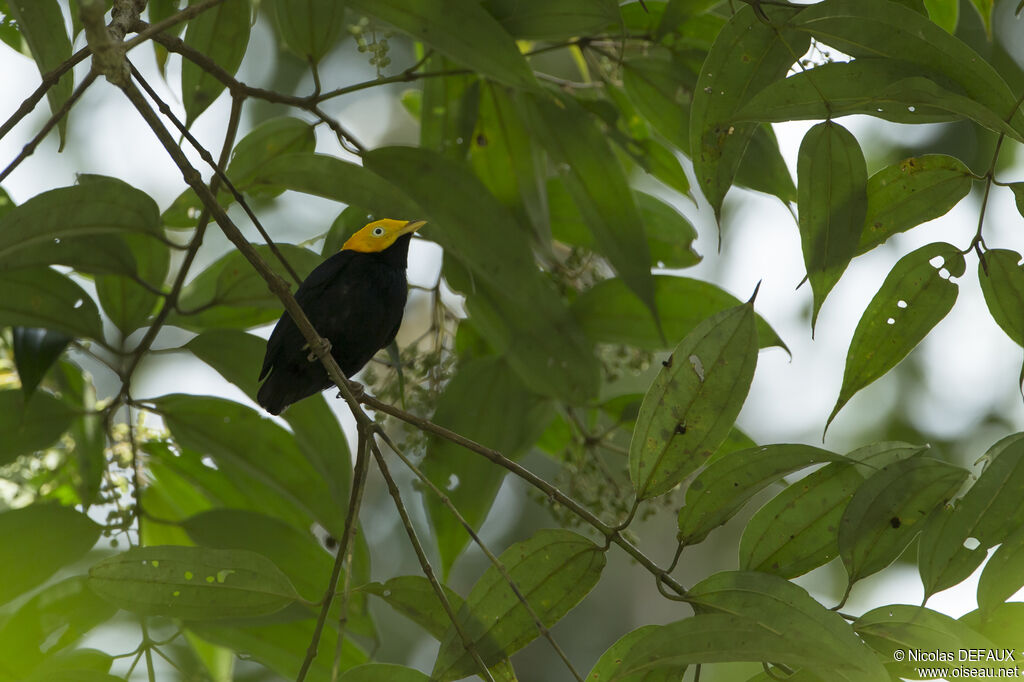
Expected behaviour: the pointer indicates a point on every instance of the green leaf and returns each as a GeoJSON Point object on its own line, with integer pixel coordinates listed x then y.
{"type": "Point", "coordinates": [796, 531]}
{"type": "Point", "coordinates": [661, 95]}
{"type": "Point", "coordinates": [484, 401]}
{"type": "Point", "coordinates": [721, 490]}
{"type": "Point", "coordinates": [382, 672]}
{"type": "Point", "coordinates": [269, 140]}
{"type": "Point", "coordinates": [763, 169]}
{"type": "Point", "coordinates": [554, 19]}
{"type": "Point", "coordinates": [662, 164]}
{"type": "Point", "coordinates": [41, 297]}
{"type": "Point", "coordinates": [195, 583]}
{"type": "Point", "coordinates": [127, 302]}
{"type": "Point", "coordinates": [782, 607]}
{"type": "Point", "coordinates": [1003, 625]}
{"type": "Point", "coordinates": [553, 571]}
{"type": "Point", "coordinates": [309, 27]}
{"type": "Point", "coordinates": [694, 400]}
{"type": "Point", "coordinates": [678, 12]}
{"type": "Point", "coordinates": [598, 187]}
{"type": "Point", "coordinates": [243, 438]}
{"type": "Point", "coordinates": [41, 24]}
{"type": "Point", "coordinates": [945, 13]}
{"type": "Point", "coordinates": [221, 33]}
{"type": "Point", "coordinates": [1002, 283]}
{"type": "Point", "coordinates": [608, 312]}
{"type": "Point", "coordinates": [414, 597]}
{"type": "Point", "coordinates": [30, 427]}
{"type": "Point", "coordinates": [911, 192]}
{"type": "Point", "coordinates": [69, 218]}
{"type": "Point", "coordinates": [465, 32]}
{"type": "Point", "coordinates": [449, 109]}
{"type": "Point", "coordinates": [55, 618]}
{"type": "Point", "coordinates": [879, 28]}
{"type": "Point", "coordinates": [984, 8]}
{"type": "Point", "coordinates": [1018, 195]}
{"type": "Point", "coordinates": [748, 55]}
{"type": "Point", "coordinates": [887, 512]}
{"type": "Point", "coordinates": [618, 654]}
{"type": "Point", "coordinates": [832, 178]}
{"type": "Point", "coordinates": [914, 297]}
{"type": "Point", "coordinates": [35, 350]}
{"type": "Point", "coordinates": [348, 222]}
{"type": "Point", "coordinates": [230, 293]}
{"type": "Point", "coordinates": [987, 512]}
{"type": "Point", "coordinates": [912, 629]}
{"type": "Point", "coordinates": [39, 540]}
{"type": "Point", "coordinates": [1004, 573]}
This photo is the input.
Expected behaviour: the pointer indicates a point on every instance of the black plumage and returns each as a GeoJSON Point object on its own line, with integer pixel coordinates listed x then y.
{"type": "Point", "coordinates": [355, 300]}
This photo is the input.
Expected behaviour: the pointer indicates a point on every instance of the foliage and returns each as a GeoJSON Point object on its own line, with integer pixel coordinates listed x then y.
{"type": "Point", "coordinates": [539, 125]}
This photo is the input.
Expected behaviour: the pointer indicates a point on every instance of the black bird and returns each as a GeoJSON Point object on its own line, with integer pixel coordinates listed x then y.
{"type": "Point", "coordinates": [355, 299]}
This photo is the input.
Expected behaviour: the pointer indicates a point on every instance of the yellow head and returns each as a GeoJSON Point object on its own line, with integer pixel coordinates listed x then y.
{"type": "Point", "coordinates": [380, 234]}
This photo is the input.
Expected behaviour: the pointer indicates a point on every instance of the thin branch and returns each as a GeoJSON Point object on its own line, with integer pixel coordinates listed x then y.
{"type": "Point", "coordinates": [50, 79]}
{"type": "Point", "coordinates": [150, 31]}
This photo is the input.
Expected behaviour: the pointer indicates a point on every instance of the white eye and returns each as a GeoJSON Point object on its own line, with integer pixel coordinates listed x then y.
{"type": "Point", "coordinates": [378, 232]}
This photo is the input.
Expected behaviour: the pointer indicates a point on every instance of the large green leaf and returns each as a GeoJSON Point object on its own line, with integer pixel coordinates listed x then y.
{"type": "Point", "coordinates": [264, 143]}
{"type": "Point", "coordinates": [786, 608]}
{"type": "Point", "coordinates": [610, 313]}
{"type": "Point", "coordinates": [30, 425]}
{"type": "Point", "coordinates": [128, 303]}
{"type": "Point", "coordinates": [748, 55]}
{"type": "Point", "coordinates": [763, 169]}
{"type": "Point", "coordinates": [694, 400]}
{"type": "Point", "coordinates": [41, 297]}
{"type": "Point", "coordinates": [39, 540]}
{"type": "Point", "coordinates": [221, 33]}
{"type": "Point", "coordinates": [382, 672]}
{"type": "Point", "coordinates": [309, 27]}
{"type": "Point", "coordinates": [195, 583]}
{"type": "Point", "coordinates": [554, 19]}
{"type": "Point", "coordinates": [1004, 573]}
{"type": "Point", "coordinates": [887, 512]}
{"type": "Point", "coordinates": [728, 483]}
{"type": "Point", "coordinates": [661, 95]}
{"type": "Point", "coordinates": [486, 402]}
{"type": "Point", "coordinates": [465, 32]}
{"type": "Point", "coordinates": [911, 192]}
{"type": "Point", "coordinates": [41, 24]}
{"type": "Point", "coordinates": [1002, 283]}
{"type": "Point", "coordinates": [230, 293]}
{"type": "Point", "coordinates": [552, 571]}
{"type": "Point", "coordinates": [413, 596]}
{"type": "Point", "coordinates": [987, 512]}
{"type": "Point", "coordinates": [35, 350]}
{"type": "Point", "coordinates": [832, 178]}
{"type": "Point", "coordinates": [618, 654]}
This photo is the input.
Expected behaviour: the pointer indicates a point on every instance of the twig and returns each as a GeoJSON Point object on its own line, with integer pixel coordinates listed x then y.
{"type": "Point", "coordinates": [50, 79]}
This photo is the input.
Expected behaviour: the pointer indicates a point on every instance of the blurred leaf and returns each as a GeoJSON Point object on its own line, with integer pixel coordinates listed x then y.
{"type": "Point", "coordinates": [1002, 283]}
{"type": "Point", "coordinates": [35, 350]}
{"type": "Point", "coordinates": [945, 13]}
{"type": "Point", "coordinates": [241, 437]}
{"type": "Point", "coordinates": [661, 96]}
{"type": "Point", "coordinates": [348, 222]}
{"type": "Point", "coordinates": [465, 32]}
{"type": "Point", "coordinates": [886, 512]}
{"type": "Point", "coordinates": [382, 672]}
{"type": "Point", "coordinates": [554, 19]}
{"type": "Point", "coordinates": [53, 619]}
{"type": "Point", "coordinates": [74, 665]}
{"type": "Point", "coordinates": [486, 402]}
{"type": "Point", "coordinates": [309, 27]}
{"type": "Point", "coordinates": [984, 8]}
{"type": "Point", "coordinates": [721, 490]}
{"type": "Point", "coordinates": [748, 55]}
{"type": "Point", "coordinates": [662, 164]}
{"type": "Point", "coordinates": [229, 293]}
{"type": "Point", "coordinates": [269, 140]}
{"type": "Point", "coordinates": [414, 597]}
{"type": "Point", "coordinates": [832, 203]}
{"type": "Point", "coordinates": [619, 653]}
{"type": "Point", "coordinates": [763, 169]}
{"type": "Point", "coordinates": [39, 540]}
{"type": "Point", "coordinates": [678, 12]}
{"type": "Point", "coordinates": [694, 400]}
{"type": "Point", "coordinates": [449, 109]}
{"type": "Point", "coordinates": [913, 298]}
{"type": "Point", "coordinates": [195, 583]}
{"type": "Point", "coordinates": [878, 28]}
{"type": "Point", "coordinates": [987, 512]}
{"type": "Point", "coordinates": [1004, 573]}
{"type": "Point", "coordinates": [599, 188]}
{"type": "Point", "coordinates": [127, 303]}
{"type": "Point", "coordinates": [41, 24]}
{"type": "Point", "coordinates": [30, 427]}
{"type": "Point", "coordinates": [553, 571]}
{"type": "Point", "coordinates": [911, 192]}
{"type": "Point", "coordinates": [782, 607]}
{"type": "Point", "coordinates": [87, 432]}
{"type": "Point", "coordinates": [1003, 625]}
{"type": "Point", "coordinates": [221, 33]}
{"type": "Point", "coordinates": [158, 11]}
{"type": "Point", "coordinates": [610, 313]}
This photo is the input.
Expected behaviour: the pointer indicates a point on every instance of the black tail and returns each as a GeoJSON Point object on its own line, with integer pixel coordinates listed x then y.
{"type": "Point", "coordinates": [274, 397]}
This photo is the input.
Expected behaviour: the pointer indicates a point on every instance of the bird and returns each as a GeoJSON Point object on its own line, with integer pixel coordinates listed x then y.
{"type": "Point", "coordinates": [355, 300]}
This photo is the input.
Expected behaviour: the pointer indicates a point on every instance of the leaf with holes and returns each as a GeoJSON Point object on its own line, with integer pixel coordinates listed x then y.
{"type": "Point", "coordinates": [914, 297]}
{"type": "Point", "coordinates": [987, 512]}
{"type": "Point", "coordinates": [721, 490]}
{"type": "Point", "coordinates": [887, 512]}
{"type": "Point", "coordinates": [748, 55]}
{"type": "Point", "coordinates": [194, 583]}
{"type": "Point", "coordinates": [552, 571]}
{"type": "Point", "coordinates": [694, 400]}
{"type": "Point", "coordinates": [832, 178]}
{"type": "Point", "coordinates": [221, 33]}
{"type": "Point", "coordinates": [1002, 283]}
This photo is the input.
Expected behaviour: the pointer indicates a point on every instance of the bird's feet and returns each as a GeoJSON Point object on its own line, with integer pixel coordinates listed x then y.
{"type": "Point", "coordinates": [325, 348]}
{"type": "Point", "coordinates": [358, 390]}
